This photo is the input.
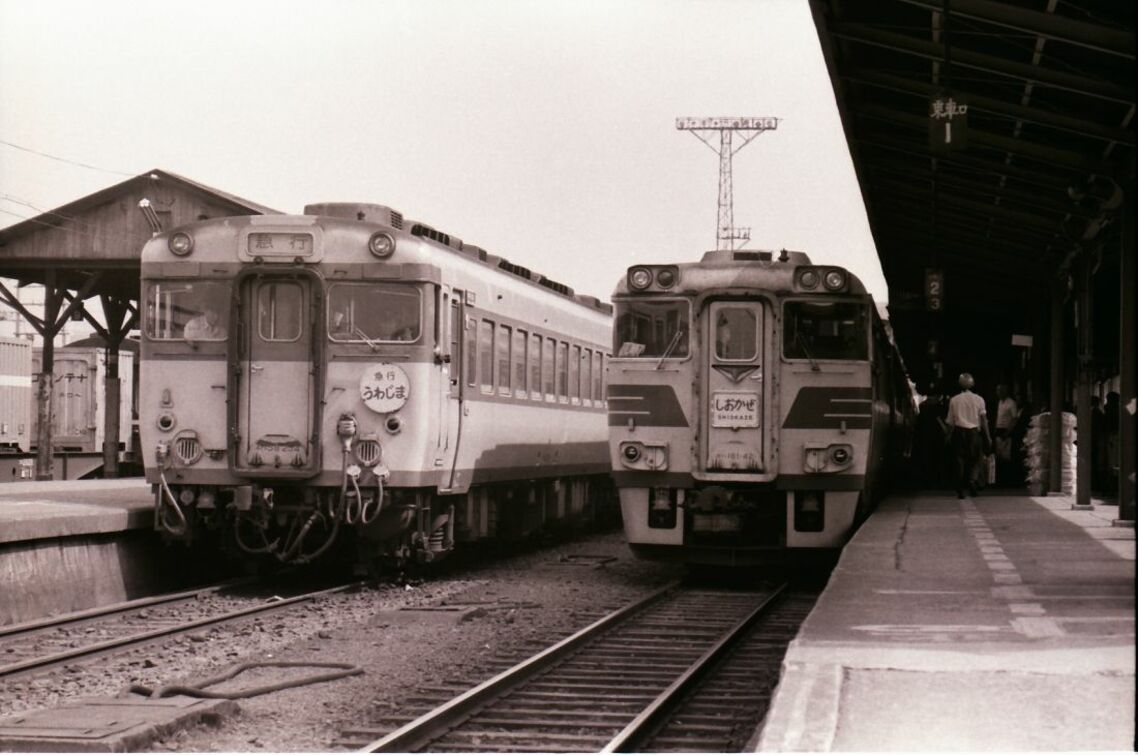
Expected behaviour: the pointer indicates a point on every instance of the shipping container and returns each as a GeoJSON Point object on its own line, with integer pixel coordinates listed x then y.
{"type": "Point", "coordinates": [16, 398]}
{"type": "Point", "coordinates": [79, 397]}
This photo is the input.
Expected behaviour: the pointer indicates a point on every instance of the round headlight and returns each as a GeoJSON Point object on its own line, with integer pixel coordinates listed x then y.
{"type": "Point", "coordinates": [639, 278]}
{"type": "Point", "coordinates": [840, 455]}
{"type": "Point", "coordinates": [181, 243]}
{"type": "Point", "coordinates": [834, 280]}
{"type": "Point", "coordinates": [808, 279]}
{"type": "Point", "coordinates": [381, 245]}
{"type": "Point", "coordinates": [666, 278]}
{"type": "Point", "coordinates": [631, 452]}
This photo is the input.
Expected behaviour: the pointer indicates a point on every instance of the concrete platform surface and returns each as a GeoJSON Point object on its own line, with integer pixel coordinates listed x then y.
{"type": "Point", "coordinates": [52, 509]}
{"type": "Point", "coordinates": [106, 724]}
{"type": "Point", "coordinates": [993, 623]}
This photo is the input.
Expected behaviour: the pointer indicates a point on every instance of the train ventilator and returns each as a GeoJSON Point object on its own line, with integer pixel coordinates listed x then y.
{"type": "Point", "coordinates": [756, 401]}
{"type": "Point", "coordinates": [345, 376]}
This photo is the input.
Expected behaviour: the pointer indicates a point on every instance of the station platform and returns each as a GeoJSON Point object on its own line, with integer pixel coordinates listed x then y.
{"type": "Point", "coordinates": [992, 623]}
{"type": "Point", "coordinates": [61, 508]}
{"type": "Point", "coordinates": [68, 545]}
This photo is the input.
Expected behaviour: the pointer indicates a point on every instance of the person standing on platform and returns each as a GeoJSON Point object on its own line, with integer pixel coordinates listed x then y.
{"type": "Point", "coordinates": [931, 437]}
{"type": "Point", "coordinates": [1007, 412]}
{"type": "Point", "coordinates": [970, 441]}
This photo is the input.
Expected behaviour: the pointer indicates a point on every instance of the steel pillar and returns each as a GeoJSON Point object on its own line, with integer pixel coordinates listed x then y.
{"type": "Point", "coordinates": [1128, 397]}
{"type": "Point", "coordinates": [1055, 429]}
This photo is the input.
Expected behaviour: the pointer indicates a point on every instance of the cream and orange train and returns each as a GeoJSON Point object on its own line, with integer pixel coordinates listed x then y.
{"type": "Point", "coordinates": [345, 376]}
{"type": "Point", "coordinates": [756, 403]}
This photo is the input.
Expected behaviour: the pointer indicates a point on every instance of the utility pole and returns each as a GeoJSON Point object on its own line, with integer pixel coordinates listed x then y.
{"type": "Point", "coordinates": [727, 234]}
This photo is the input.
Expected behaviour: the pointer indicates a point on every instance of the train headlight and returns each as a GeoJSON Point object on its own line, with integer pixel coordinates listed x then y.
{"type": "Point", "coordinates": [381, 245]}
{"type": "Point", "coordinates": [666, 277]}
{"type": "Point", "coordinates": [834, 280]}
{"type": "Point", "coordinates": [808, 278]}
{"type": "Point", "coordinates": [649, 456]}
{"type": "Point", "coordinates": [840, 454]}
{"type": "Point", "coordinates": [181, 243]}
{"type": "Point", "coordinates": [639, 278]}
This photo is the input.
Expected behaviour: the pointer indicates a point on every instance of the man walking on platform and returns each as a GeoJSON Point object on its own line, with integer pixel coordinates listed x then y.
{"type": "Point", "coordinates": [967, 417]}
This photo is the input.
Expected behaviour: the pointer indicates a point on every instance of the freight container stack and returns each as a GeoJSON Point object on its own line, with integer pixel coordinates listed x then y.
{"type": "Point", "coordinates": [78, 403]}
{"type": "Point", "coordinates": [15, 394]}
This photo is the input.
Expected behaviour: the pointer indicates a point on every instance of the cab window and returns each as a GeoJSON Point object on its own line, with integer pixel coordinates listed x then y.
{"type": "Point", "coordinates": [651, 329]}
{"type": "Point", "coordinates": [177, 311]}
{"type": "Point", "coordinates": [369, 312]}
{"type": "Point", "coordinates": [825, 330]}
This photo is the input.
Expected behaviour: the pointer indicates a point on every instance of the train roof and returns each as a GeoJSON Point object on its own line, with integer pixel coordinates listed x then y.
{"type": "Point", "coordinates": [743, 269]}
{"type": "Point", "coordinates": [375, 214]}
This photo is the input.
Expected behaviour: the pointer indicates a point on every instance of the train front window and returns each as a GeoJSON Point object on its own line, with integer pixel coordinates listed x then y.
{"type": "Point", "coordinates": [369, 312]}
{"type": "Point", "coordinates": [825, 330]}
{"type": "Point", "coordinates": [652, 329]}
{"type": "Point", "coordinates": [736, 334]}
{"type": "Point", "coordinates": [185, 311]}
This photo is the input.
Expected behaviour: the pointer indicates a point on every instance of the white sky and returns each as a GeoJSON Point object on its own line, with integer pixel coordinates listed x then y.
{"type": "Point", "coordinates": [543, 131]}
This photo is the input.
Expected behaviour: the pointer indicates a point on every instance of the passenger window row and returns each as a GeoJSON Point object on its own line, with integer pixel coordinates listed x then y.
{"type": "Point", "coordinates": [508, 361]}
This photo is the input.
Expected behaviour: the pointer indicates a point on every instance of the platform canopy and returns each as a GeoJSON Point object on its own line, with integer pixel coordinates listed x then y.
{"type": "Point", "coordinates": [992, 140]}
{"type": "Point", "coordinates": [91, 247]}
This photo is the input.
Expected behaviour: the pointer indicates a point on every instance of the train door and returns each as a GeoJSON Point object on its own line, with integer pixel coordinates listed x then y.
{"type": "Point", "coordinates": [277, 386]}
{"type": "Point", "coordinates": [734, 411]}
{"type": "Point", "coordinates": [453, 360]}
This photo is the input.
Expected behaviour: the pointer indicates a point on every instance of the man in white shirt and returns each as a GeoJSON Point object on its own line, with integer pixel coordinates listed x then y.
{"type": "Point", "coordinates": [967, 416]}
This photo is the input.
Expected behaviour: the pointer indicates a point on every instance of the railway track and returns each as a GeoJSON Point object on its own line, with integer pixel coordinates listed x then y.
{"type": "Point", "coordinates": [36, 647]}
{"type": "Point", "coordinates": [675, 671]}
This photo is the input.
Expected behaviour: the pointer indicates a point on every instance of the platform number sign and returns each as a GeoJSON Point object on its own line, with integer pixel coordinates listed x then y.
{"type": "Point", "coordinates": [934, 290]}
{"type": "Point", "coordinates": [948, 123]}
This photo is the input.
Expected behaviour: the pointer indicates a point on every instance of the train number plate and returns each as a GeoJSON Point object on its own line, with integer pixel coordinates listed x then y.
{"type": "Point", "coordinates": [734, 409]}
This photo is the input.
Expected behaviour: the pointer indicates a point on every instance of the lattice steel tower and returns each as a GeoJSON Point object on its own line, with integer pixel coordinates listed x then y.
{"type": "Point", "coordinates": [727, 234]}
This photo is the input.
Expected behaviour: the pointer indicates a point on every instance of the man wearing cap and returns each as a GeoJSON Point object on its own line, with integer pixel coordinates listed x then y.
{"type": "Point", "coordinates": [968, 419]}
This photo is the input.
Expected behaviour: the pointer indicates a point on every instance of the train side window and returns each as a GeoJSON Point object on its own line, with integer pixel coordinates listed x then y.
{"type": "Point", "coordinates": [505, 338]}
{"type": "Point", "coordinates": [586, 376]}
{"type": "Point", "coordinates": [575, 374]}
{"type": "Point", "coordinates": [563, 371]}
{"type": "Point", "coordinates": [279, 306]}
{"type": "Point", "coordinates": [486, 355]}
{"type": "Point", "coordinates": [534, 358]}
{"type": "Point", "coordinates": [521, 339]}
{"type": "Point", "coordinates": [825, 330]}
{"type": "Point", "coordinates": [598, 375]}
{"type": "Point", "coordinates": [736, 334]}
{"type": "Point", "coordinates": [547, 365]}
{"type": "Point", "coordinates": [470, 348]}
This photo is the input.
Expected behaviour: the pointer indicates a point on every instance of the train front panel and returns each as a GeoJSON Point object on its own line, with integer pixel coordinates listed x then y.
{"type": "Point", "coordinates": [740, 407]}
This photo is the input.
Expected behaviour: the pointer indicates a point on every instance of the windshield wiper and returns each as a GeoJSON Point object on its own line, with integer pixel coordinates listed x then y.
{"type": "Point", "coordinates": [806, 350]}
{"type": "Point", "coordinates": [374, 346]}
{"type": "Point", "coordinates": [671, 347]}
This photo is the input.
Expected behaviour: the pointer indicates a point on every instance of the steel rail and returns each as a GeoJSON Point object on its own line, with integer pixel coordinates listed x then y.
{"type": "Point", "coordinates": [144, 637]}
{"type": "Point", "coordinates": [418, 733]}
{"type": "Point", "coordinates": [102, 612]}
{"type": "Point", "coordinates": [634, 734]}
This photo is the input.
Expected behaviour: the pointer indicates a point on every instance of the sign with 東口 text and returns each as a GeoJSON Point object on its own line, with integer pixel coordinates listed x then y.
{"type": "Point", "coordinates": [384, 387]}
{"type": "Point", "coordinates": [948, 123]}
{"type": "Point", "coordinates": [734, 409]}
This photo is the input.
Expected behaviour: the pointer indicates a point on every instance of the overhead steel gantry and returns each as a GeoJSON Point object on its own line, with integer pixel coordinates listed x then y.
{"type": "Point", "coordinates": [1019, 210]}
{"type": "Point", "coordinates": [89, 249]}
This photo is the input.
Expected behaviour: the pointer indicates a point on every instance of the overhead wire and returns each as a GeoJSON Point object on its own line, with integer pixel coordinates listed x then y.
{"type": "Point", "coordinates": [66, 160]}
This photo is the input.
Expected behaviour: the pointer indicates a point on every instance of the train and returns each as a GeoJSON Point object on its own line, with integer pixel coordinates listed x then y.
{"type": "Point", "coordinates": [347, 380]}
{"type": "Point", "coordinates": [757, 403]}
